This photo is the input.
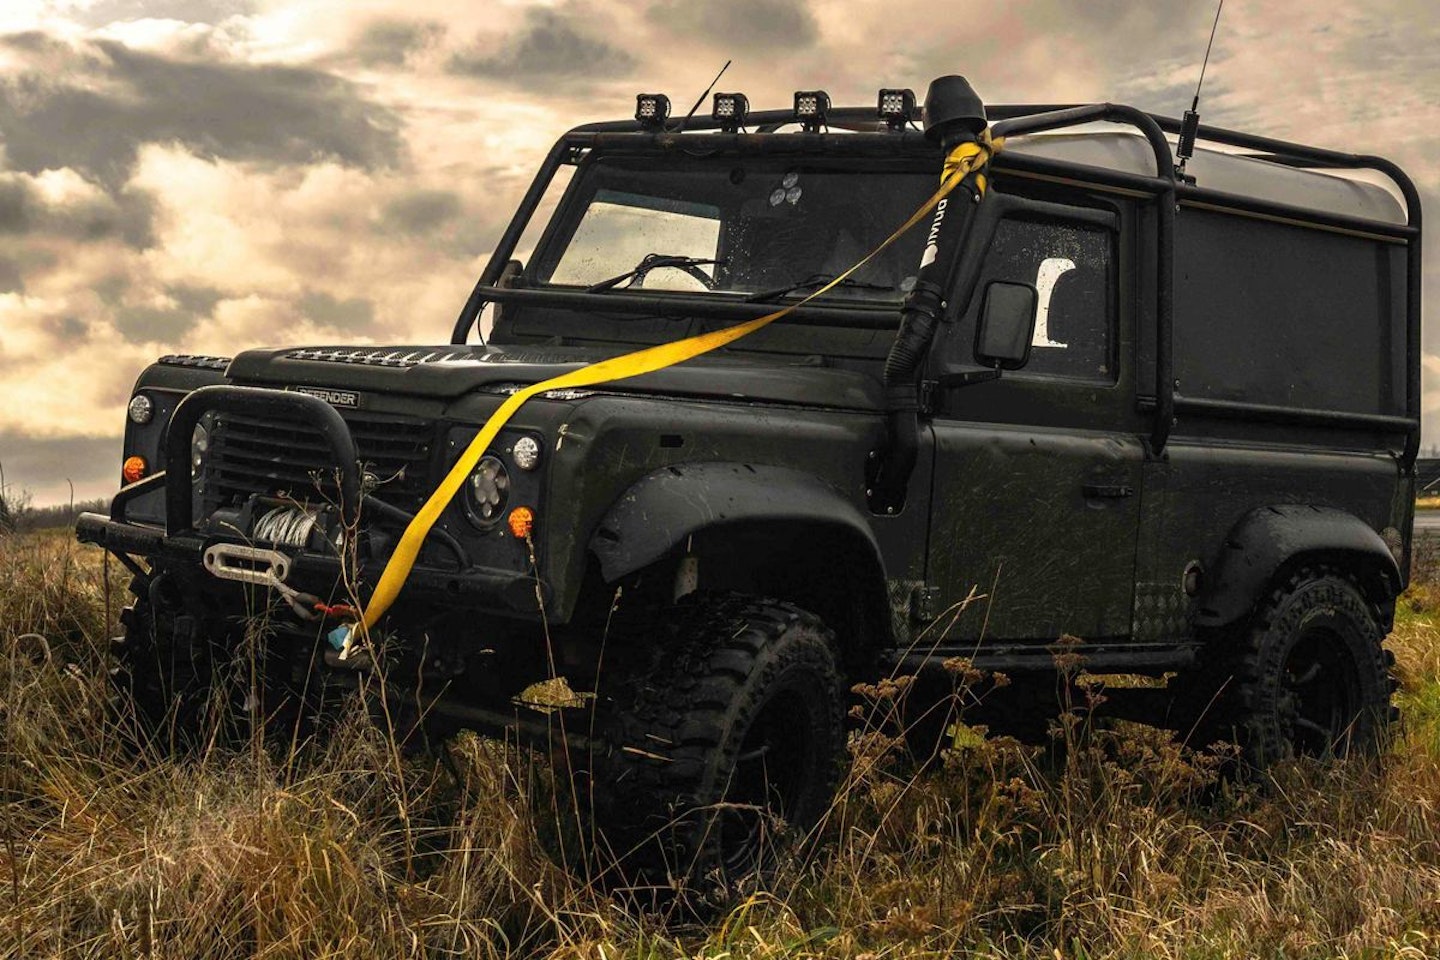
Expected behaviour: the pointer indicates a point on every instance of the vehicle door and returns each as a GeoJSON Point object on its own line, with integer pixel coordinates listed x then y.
{"type": "Point", "coordinates": [1037, 474]}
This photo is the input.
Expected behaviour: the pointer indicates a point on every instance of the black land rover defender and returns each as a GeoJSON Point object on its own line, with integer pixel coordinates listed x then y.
{"type": "Point", "coordinates": [1172, 411]}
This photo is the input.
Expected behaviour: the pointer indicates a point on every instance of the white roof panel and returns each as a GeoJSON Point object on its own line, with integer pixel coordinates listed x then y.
{"type": "Point", "coordinates": [1226, 172]}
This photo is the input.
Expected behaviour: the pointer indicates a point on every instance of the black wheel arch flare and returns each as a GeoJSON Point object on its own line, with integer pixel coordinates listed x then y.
{"type": "Point", "coordinates": [1270, 540]}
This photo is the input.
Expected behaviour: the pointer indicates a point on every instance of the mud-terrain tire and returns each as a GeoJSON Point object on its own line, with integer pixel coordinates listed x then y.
{"type": "Point", "coordinates": [723, 748]}
{"type": "Point", "coordinates": [183, 684]}
{"type": "Point", "coordinates": [163, 688]}
{"type": "Point", "coordinates": [1308, 676]}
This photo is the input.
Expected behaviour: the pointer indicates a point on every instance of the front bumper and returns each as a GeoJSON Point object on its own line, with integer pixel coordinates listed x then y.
{"type": "Point", "coordinates": [479, 587]}
{"type": "Point", "coordinates": [181, 544]}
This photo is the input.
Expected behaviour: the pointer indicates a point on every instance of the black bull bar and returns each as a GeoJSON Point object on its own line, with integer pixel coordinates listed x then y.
{"type": "Point", "coordinates": [258, 401]}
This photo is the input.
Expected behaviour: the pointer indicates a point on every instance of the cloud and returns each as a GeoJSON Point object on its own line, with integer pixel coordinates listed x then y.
{"type": "Point", "coordinates": [354, 315]}
{"type": "Point", "coordinates": [143, 323]}
{"type": "Point", "coordinates": [93, 106]}
{"type": "Point", "coordinates": [390, 42]}
{"type": "Point", "coordinates": [551, 43]}
{"type": "Point", "coordinates": [191, 11]}
{"type": "Point", "coordinates": [738, 25]}
{"type": "Point", "coordinates": [42, 466]}
{"type": "Point", "coordinates": [60, 204]}
{"type": "Point", "coordinates": [417, 212]}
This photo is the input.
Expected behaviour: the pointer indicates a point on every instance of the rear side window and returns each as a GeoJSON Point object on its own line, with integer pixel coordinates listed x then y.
{"type": "Point", "coordinates": [1070, 265]}
{"type": "Point", "coordinates": [1275, 314]}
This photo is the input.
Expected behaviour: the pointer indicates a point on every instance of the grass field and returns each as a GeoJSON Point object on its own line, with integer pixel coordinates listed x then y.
{"type": "Point", "coordinates": [1119, 845]}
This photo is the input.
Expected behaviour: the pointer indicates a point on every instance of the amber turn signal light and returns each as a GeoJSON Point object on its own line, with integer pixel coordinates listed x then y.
{"type": "Point", "coordinates": [135, 469]}
{"type": "Point", "coordinates": [522, 521]}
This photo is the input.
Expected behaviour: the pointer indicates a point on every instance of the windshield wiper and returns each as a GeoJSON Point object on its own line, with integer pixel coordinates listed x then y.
{"type": "Point", "coordinates": [816, 280]}
{"type": "Point", "coordinates": [656, 261]}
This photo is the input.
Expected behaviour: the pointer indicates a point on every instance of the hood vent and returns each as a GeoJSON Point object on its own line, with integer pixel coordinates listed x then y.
{"type": "Point", "coordinates": [382, 358]}
{"type": "Point", "coordinates": [195, 360]}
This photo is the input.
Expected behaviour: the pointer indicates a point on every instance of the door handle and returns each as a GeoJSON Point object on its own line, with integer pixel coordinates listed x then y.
{"type": "Point", "coordinates": [1107, 491]}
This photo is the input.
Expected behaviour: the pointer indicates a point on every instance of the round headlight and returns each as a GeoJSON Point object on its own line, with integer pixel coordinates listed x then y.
{"type": "Point", "coordinates": [526, 453]}
{"type": "Point", "coordinates": [141, 409]}
{"type": "Point", "coordinates": [487, 491]}
{"type": "Point", "coordinates": [199, 446]}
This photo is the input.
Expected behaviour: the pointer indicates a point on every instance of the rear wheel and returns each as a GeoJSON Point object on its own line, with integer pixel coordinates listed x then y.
{"type": "Point", "coordinates": [724, 748]}
{"type": "Point", "coordinates": [1308, 678]}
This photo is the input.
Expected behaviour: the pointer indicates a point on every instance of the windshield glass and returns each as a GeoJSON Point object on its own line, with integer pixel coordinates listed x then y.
{"type": "Point", "coordinates": [726, 226]}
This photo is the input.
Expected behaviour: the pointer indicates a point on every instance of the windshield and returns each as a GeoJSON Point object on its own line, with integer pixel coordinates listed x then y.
{"type": "Point", "coordinates": [737, 227]}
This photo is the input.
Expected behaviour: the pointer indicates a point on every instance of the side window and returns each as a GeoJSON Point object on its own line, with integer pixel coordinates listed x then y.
{"type": "Point", "coordinates": [1069, 264]}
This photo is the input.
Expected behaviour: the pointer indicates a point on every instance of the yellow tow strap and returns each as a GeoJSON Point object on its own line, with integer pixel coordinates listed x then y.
{"type": "Point", "coordinates": [963, 160]}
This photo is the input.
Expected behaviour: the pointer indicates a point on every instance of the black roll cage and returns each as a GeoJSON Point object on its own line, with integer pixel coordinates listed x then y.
{"type": "Point", "coordinates": [1165, 189]}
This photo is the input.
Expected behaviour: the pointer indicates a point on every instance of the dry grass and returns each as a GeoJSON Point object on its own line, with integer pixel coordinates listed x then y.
{"type": "Point", "coordinates": [1122, 845]}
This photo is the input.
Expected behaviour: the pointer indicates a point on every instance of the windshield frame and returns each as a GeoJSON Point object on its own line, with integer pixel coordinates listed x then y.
{"type": "Point", "coordinates": [697, 181]}
{"type": "Point", "coordinates": [906, 147]}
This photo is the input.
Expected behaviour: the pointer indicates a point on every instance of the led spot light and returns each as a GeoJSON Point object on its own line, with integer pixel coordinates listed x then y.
{"type": "Point", "coordinates": [896, 107]}
{"type": "Point", "coordinates": [526, 453]}
{"type": "Point", "coordinates": [811, 109]}
{"type": "Point", "coordinates": [141, 409]}
{"type": "Point", "coordinates": [652, 109]}
{"type": "Point", "coordinates": [730, 110]}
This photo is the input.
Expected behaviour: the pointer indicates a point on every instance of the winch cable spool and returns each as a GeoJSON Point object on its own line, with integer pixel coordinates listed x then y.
{"type": "Point", "coordinates": [286, 526]}
{"type": "Point", "coordinates": [963, 162]}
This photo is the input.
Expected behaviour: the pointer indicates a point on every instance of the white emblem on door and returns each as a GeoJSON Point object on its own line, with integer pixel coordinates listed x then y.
{"type": "Point", "coordinates": [1049, 274]}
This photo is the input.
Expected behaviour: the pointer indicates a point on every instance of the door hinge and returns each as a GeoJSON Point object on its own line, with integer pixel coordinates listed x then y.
{"type": "Point", "coordinates": [922, 603]}
{"type": "Point", "coordinates": [926, 398]}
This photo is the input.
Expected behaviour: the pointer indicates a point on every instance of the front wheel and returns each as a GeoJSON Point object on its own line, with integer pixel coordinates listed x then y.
{"type": "Point", "coordinates": [725, 746]}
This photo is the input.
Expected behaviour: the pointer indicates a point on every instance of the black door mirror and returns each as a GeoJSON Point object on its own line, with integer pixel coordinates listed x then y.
{"type": "Point", "coordinates": [1007, 325]}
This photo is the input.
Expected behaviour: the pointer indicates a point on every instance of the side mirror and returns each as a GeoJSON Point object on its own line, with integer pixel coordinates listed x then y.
{"type": "Point", "coordinates": [1007, 325]}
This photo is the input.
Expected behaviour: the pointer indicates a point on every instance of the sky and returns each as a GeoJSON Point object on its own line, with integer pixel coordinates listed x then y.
{"type": "Point", "coordinates": [205, 176]}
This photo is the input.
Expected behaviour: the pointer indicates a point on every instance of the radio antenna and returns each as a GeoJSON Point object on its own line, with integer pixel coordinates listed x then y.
{"type": "Point", "coordinates": [707, 93]}
{"type": "Point", "coordinates": [1190, 123]}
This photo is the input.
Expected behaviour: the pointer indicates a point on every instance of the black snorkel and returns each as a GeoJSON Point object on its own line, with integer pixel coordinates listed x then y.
{"type": "Point", "coordinates": [954, 115]}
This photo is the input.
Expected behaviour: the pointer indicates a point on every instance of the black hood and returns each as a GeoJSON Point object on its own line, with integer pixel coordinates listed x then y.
{"type": "Point", "coordinates": [449, 372]}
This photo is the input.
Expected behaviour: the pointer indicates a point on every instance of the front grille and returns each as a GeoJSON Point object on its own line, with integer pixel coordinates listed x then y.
{"type": "Point", "coordinates": [288, 458]}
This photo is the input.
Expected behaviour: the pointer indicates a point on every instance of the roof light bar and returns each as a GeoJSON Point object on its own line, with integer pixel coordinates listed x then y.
{"type": "Point", "coordinates": [811, 109]}
{"type": "Point", "coordinates": [729, 110]}
{"type": "Point", "coordinates": [896, 107]}
{"type": "Point", "coordinates": [652, 109]}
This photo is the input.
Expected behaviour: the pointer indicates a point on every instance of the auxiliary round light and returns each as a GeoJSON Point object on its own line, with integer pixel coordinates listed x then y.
{"type": "Point", "coordinates": [199, 447]}
{"type": "Point", "coordinates": [134, 469]}
{"type": "Point", "coordinates": [141, 409]}
{"type": "Point", "coordinates": [526, 453]}
{"type": "Point", "coordinates": [487, 490]}
{"type": "Point", "coordinates": [522, 522]}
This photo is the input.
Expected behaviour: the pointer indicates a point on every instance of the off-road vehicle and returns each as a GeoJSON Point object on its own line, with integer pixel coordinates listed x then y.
{"type": "Point", "coordinates": [1170, 409]}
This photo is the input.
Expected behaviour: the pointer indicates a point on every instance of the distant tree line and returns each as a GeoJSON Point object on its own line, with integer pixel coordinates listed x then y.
{"type": "Point", "coordinates": [18, 515]}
